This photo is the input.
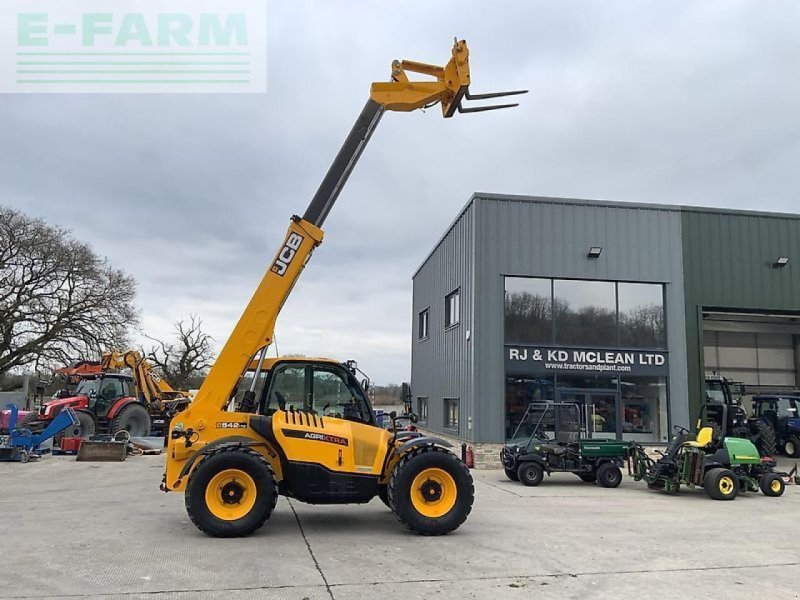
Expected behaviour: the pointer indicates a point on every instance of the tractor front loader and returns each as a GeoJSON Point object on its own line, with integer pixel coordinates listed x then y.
{"type": "Point", "coordinates": [304, 428]}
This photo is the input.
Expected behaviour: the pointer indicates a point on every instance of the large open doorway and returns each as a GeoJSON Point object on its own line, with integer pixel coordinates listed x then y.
{"type": "Point", "coordinates": [760, 351]}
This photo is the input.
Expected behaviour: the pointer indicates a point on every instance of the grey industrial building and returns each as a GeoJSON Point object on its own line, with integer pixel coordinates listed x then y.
{"type": "Point", "coordinates": [622, 308]}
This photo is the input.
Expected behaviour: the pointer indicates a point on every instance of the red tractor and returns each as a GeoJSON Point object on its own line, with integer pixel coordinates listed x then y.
{"type": "Point", "coordinates": [104, 403]}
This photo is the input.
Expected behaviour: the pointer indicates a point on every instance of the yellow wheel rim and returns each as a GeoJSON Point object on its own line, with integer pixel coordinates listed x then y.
{"type": "Point", "coordinates": [433, 493]}
{"type": "Point", "coordinates": [775, 486]}
{"type": "Point", "coordinates": [726, 485]}
{"type": "Point", "coordinates": [231, 494]}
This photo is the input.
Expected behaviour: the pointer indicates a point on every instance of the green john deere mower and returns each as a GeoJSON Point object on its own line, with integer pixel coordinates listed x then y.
{"type": "Point", "coordinates": [723, 466]}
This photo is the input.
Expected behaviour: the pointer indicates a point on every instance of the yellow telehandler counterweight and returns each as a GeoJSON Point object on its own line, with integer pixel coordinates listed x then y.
{"type": "Point", "coordinates": [304, 428]}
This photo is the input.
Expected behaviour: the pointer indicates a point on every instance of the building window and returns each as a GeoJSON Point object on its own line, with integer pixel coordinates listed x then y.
{"type": "Point", "coordinates": [641, 315]}
{"type": "Point", "coordinates": [585, 313]}
{"type": "Point", "coordinates": [579, 313]}
{"type": "Point", "coordinates": [451, 413]}
{"type": "Point", "coordinates": [520, 392]}
{"type": "Point", "coordinates": [422, 324]}
{"type": "Point", "coordinates": [452, 309]}
{"type": "Point", "coordinates": [422, 409]}
{"type": "Point", "coordinates": [529, 315]}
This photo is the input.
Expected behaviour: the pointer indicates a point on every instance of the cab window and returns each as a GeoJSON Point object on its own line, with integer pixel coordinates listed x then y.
{"type": "Point", "coordinates": [326, 390]}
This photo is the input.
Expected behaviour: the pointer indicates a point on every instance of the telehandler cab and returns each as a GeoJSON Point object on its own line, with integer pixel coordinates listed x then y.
{"type": "Point", "coordinates": [304, 428]}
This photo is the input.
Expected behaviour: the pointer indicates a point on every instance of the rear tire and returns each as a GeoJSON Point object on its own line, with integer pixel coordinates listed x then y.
{"type": "Point", "coordinates": [609, 475]}
{"type": "Point", "coordinates": [792, 448]}
{"type": "Point", "coordinates": [132, 418]}
{"type": "Point", "coordinates": [530, 473]}
{"type": "Point", "coordinates": [511, 474]}
{"type": "Point", "coordinates": [383, 494]}
{"type": "Point", "coordinates": [231, 493]}
{"type": "Point", "coordinates": [763, 436]}
{"type": "Point", "coordinates": [721, 484]}
{"type": "Point", "coordinates": [772, 485]}
{"type": "Point", "coordinates": [431, 491]}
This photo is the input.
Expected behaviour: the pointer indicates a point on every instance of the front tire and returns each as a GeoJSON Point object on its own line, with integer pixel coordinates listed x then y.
{"type": "Point", "coordinates": [511, 474]}
{"type": "Point", "coordinates": [530, 473]}
{"type": "Point", "coordinates": [792, 448]}
{"type": "Point", "coordinates": [772, 485]}
{"type": "Point", "coordinates": [231, 493]}
{"type": "Point", "coordinates": [85, 429]}
{"type": "Point", "coordinates": [132, 418]}
{"type": "Point", "coordinates": [431, 491]}
{"type": "Point", "coordinates": [721, 484]}
{"type": "Point", "coordinates": [609, 475]}
{"type": "Point", "coordinates": [588, 477]}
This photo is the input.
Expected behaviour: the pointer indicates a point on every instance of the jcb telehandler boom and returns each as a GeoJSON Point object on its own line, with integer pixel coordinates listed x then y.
{"type": "Point", "coordinates": [304, 428]}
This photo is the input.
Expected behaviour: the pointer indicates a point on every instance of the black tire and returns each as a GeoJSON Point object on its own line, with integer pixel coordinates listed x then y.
{"type": "Point", "coordinates": [609, 475]}
{"type": "Point", "coordinates": [216, 464]}
{"type": "Point", "coordinates": [772, 485]}
{"type": "Point", "coordinates": [511, 474]}
{"type": "Point", "coordinates": [588, 477]}
{"type": "Point", "coordinates": [85, 429]}
{"type": "Point", "coordinates": [383, 494]}
{"type": "Point", "coordinates": [132, 418]}
{"type": "Point", "coordinates": [763, 436]}
{"type": "Point", "coordinates": [721, 484]}
{"type": "Point", "coordinates": [25, 420]}
{"type": "Point", "coordinates": [530, 473]}
{"type": "Point", "coordinates": [402, 496]}
{"type": "Point", "coordinates": [792, 448]}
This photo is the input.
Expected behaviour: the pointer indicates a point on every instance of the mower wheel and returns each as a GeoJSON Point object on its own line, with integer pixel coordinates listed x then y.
{"type": "Point", "coordinates": [85, 429]}
{"type": "Point", "coordinates": [431, 491]}
{"type": "Point", "coordinates": [721, 484]}
{"type": "Point", "coordinates": [588, 477]}
{"type": "Point", "coordinates": [132, 418]}
{"type": "Point", "coordinates": [231, 493]}
{"type": "Point", "coordinates": [530, 473]}
{"type": "Point", "coordinates": [772, 484]}
{"type": "Point", "coordinates": [609, 475]}
{"type": "Point", "coordinates": [511, 474]}
{"type": "Point", "coordinates": [792, 448]}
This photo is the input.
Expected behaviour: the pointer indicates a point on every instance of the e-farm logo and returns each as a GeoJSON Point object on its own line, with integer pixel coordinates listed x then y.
{"type": "Point", "coordinates": [133, 46]}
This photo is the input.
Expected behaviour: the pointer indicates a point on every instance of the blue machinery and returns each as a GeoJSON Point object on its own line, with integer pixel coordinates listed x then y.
{"type": "Point", "coordinates": [22, 445]}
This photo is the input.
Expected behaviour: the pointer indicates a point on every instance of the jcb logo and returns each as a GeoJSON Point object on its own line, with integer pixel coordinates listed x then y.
{"type": "Point", "coordinates": [287, 254]}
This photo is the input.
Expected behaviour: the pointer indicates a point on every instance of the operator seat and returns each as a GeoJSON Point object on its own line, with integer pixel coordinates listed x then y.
{"type": "Point", "coordinates": [704, 437]}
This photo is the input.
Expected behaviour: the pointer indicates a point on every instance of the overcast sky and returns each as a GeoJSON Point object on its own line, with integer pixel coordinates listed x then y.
{"type": "Point", "coordinates": [666, 102]}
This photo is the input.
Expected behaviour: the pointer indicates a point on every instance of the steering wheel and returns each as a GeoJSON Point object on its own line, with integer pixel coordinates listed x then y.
{"type": "Point", "coordinates": [680, 429]}
{"type": "Point", "coordinates": [281, 399]}
{"type": "Point", "coordinates": [324, 408]}
{"type": "Point", "coordinates": [541, 435]}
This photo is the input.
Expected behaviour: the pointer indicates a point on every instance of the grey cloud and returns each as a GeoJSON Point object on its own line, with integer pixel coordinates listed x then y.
{"type": "Point", "coordinates": [682, 102]}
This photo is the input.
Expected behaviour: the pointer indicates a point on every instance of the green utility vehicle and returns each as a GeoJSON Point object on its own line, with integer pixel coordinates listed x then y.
{"type": "Point", "coordinates": [723, 466]}
{"type": "Point", "coordinates": [548, 440]}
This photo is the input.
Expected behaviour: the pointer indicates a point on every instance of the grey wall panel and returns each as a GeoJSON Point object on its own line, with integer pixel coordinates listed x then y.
{"type": "Point", "coordinates": [442, 365]}
{"type": "Point", "coordinates": [550, 237]}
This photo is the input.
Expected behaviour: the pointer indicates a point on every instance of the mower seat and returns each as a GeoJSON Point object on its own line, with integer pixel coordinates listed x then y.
{"type": "Point", "coordinates": [704, 438]}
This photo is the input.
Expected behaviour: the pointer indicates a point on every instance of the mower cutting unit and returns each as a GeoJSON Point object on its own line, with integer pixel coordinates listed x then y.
{"type": "Point", "coordinates": [22, 445]}
{"type": "Point", "coordinates": [723, 467]}
{"type": "Point", "coordinates": [548, 440]}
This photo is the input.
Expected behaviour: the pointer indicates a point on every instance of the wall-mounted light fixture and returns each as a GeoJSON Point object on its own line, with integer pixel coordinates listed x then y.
{"type": "Point", "coordinates": [595, 252]}
{"type": "Point", "coordinates": [781, 262]}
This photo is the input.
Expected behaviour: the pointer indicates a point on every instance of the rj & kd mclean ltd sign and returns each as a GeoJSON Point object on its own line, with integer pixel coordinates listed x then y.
{"type": "Point", "coordinates": [534, 360]}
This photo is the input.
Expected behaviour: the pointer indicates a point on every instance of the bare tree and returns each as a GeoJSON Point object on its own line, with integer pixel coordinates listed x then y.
{"type": "Point", "coordinates": [185, 361]}
{"type": "Point", "coordinates": [59, 301]}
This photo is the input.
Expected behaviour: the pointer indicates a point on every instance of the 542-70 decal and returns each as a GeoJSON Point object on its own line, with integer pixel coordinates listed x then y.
{"type": "Point", "coordinates": [316, 437]}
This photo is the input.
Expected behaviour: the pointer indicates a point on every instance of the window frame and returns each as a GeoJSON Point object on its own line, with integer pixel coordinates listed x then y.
{"type": "Point", "coordinates": [422, 419]}
{"type": "Point", "coordinates": [448, 313]}
{"type": "Point", "coordinates": [426, 314]}
{"type": "Point", "coordinates": [448, 426]}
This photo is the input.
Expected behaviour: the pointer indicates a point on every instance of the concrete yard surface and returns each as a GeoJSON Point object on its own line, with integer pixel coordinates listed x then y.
{"type": "Point", "coordinates": [104, 530]}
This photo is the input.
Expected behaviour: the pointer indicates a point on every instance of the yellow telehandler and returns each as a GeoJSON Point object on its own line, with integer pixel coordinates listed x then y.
{"type": "Point", "coordinates": [304, 428]}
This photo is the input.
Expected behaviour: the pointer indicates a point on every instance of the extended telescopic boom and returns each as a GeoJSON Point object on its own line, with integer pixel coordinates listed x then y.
{"type": "Point", "coordinates": [255, 328]}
